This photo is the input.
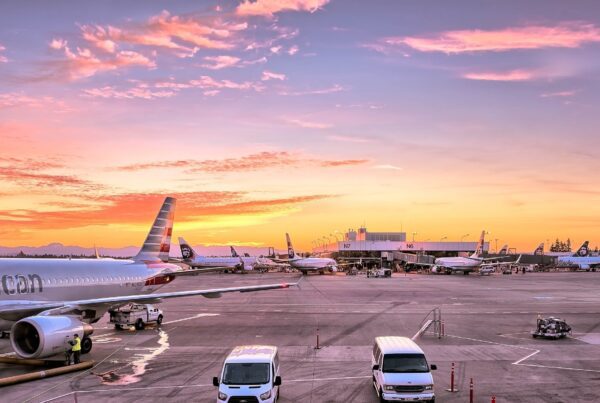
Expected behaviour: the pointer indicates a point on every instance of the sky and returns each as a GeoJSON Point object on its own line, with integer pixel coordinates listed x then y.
{"type": "Point", "coordinates": [302, 116]}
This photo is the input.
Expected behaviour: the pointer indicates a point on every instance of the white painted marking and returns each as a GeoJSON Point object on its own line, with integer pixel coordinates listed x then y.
{"type": "Point", "coordinates": [329, 379]}
{"type": "Point", "coordinates": [200, 315]}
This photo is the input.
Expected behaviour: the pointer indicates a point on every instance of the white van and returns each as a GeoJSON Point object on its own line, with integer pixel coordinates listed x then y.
{"type": "Point", "coordinates": [400, 371]}
{"type": "Point", "coordinates": [250, 374]}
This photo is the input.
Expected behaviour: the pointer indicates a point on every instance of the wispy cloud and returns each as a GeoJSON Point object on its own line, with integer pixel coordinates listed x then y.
{"type": "Point", "coordinates": [512, 75]}
{"type": "Point", "coordinates": [17, 99]}
{"type": "Point", "coordinates": [220, 62]}
{"type": "Point", "coordinates": [33, 173]}
{"type": "Point", "coordinates": [3, 58]}
{"type": "Point", "coordinates": [307, 124]}
{"type": "Point", "coordinates": [559, 94]}
{"type": "Point", "coordinates": [169, 88]}
{"type": "Point", "coordinates": [247, 163]}
{"type": "Point", "coordinates": [269, 75]}
{"type": "Point", "coordinates": [565, 35]}
{"type": "Point", "coordinates": [268, 8]}
{"type": "Point", "coordinates": [320, 91]}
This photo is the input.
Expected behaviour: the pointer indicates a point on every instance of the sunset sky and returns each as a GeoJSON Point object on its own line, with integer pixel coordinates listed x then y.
{"type": "Point", "coordinates": [303, 116]}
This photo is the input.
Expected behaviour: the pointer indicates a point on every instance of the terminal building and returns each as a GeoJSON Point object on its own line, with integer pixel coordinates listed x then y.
{"type": "Point", "coordinates": [382, 244]}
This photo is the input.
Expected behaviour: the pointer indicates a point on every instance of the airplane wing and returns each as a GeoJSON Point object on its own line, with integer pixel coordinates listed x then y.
{"type": "Point", "coordinates": [23, 309]}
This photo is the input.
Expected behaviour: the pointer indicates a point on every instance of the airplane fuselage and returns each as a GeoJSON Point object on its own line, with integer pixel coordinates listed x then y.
{"type": "Point", "coordinates": [25, 281]}
{"type": "Point", "coordinates": [232, 262]}
{"type": "Point", "coordinates": [587, 262]}
{"type": "Point", "coordinates": [313, 263]}
{"type": "Point", "coordinates": [458, 263]}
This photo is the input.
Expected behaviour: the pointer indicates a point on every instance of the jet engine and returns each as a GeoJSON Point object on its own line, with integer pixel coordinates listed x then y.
{"type": "Point", "coordinates": [45, 336]}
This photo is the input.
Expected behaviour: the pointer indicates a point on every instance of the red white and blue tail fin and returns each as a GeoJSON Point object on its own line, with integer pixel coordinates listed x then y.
{"type": "Point", "coordinates": [539, 250]}
{"type": "Point", "coordinates": [158, 242]}
{"type": "Point", "coordinates": [479, 249]}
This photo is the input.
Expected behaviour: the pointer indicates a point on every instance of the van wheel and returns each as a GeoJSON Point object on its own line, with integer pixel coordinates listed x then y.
{"type": "Point", "coordinates": [118, 327]}
{"type": "Point", "coordinates": [139, 325]}
{"type": "Point", "coordinates": [159, 320]}
{"type": "Point", "coordinates": [381, 399]}
{"type": "Point", "coordinates": [432, 400]}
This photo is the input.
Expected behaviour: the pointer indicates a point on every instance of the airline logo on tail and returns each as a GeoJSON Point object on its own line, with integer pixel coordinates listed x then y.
{"type": "Point", "coordinates": [479, 249]}
{"type": "Point", "coordinates": [186, 250]}
{"type": "Point", "coordinates": [504, 250]}
{"type": "Point", "coordinates": [158, 241]}
{"type": "Point", "coordinates": [539, 250]}
{"type": "Point", "coordinates": [233, 252]}
{"type": "Point", "coordinates": [583, 250]}
{"type": "Point", "coordinates": [291, 253]}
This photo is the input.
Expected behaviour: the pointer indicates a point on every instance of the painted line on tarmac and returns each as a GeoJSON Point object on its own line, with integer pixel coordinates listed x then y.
{"type": "Point", "coordinates": [200, 315]}
{"type": "Point", "coordinates": [329, 379]}
{"type": "Point", "coordinates": [520, 361]}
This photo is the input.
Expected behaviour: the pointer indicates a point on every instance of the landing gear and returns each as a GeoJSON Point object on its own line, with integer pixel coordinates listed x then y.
{"type": "Point", "coordinates": [86, 345]}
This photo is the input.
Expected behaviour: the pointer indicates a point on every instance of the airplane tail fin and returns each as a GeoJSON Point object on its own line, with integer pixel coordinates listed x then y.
{"type": "Point", "coordinates": [158, 242]}
{"type": "Point", "coordinates": [233, 252]}
{"type": "Point", "coordinates": [291, 253]}
{"type": "Point", "coordinates": [583, 250]}
{"type": "Point", "coordinates": [504, 250]}
{"type": "Point", "coordinates": [539, 250]}
{"type": "Point", "coordinates": [187, 252]}
{"type": "Point", "coordinates": [479, 249]}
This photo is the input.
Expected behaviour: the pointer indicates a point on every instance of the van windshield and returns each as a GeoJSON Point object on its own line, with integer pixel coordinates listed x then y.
{"type": "Point", "coordinates": [405, 363]}
{"type": "Point", "coordinates": [246, 374]}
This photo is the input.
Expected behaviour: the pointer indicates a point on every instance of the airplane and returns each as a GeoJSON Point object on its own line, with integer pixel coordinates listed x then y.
{"type": "Point", "coordinates": [580, 259]}
{"type": "Point", "coordinates": [314, 264]}
{"type": "Point", "coordinates": [44, 302]}
{"type": "Point", "coordinates": [539, 250]}
{"type": "Point", "coordinates": [503, 250]}
{"type": "Point", "coordinates": [255, 262]}
{"type": "Point", "coordinates": [464, 265]}
{"type": "Point", "coordinates": [193, 259]}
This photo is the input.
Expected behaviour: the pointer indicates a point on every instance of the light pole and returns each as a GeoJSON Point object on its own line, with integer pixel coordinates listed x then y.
{"type": "Point", "coordinates": [496, 245]}
{"type": "Point", "coordinates": [413, 234]}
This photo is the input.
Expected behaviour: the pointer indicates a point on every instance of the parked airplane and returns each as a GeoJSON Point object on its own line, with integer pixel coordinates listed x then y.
{"type": "Point", "coordinates": [256, 262]}
{"type": "Point", "coordinates": [504, 250]}
{"type": "Point", "coordinates": [580, 259]}
{"type": "Point", "coordinates": [314, 264]}
{"type": "Point", "coordinates": [44, 302]}
{"type": "Point", "coordinates": [539, 250]}
{"type": "Point", "coordinates": [464, 265]}
{"type": "Point", "coordinates": [193, 259]}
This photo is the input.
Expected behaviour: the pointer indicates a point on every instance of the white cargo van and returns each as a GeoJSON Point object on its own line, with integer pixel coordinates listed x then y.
{"type": "Point", "coordinates": [400, 371]}
{"type": "Point", "coordinates": [250, 374]}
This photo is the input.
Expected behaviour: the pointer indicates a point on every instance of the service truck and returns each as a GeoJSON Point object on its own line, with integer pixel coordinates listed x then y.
{"type": "Point", "coordinates": [138, 315]}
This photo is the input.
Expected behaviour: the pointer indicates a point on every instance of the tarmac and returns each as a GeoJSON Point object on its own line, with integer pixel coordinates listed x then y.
{"type": "Point", "coordinates": [487, 323]}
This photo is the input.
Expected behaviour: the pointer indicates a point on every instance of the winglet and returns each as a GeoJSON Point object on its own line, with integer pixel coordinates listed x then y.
{"type": "Point", "coordinates": [158, 242]}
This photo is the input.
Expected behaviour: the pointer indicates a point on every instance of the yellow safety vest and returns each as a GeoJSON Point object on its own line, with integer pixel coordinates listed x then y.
{"type": "Point", "coordinates": [77, 346]}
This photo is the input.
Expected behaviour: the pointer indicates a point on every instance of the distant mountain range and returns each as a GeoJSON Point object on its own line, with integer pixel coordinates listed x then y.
{"type": "Point", "coordinates": [59, 249]}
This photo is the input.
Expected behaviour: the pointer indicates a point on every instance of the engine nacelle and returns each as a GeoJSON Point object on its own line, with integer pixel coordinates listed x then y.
{"type": "Point", "coordinates": [45, 336]}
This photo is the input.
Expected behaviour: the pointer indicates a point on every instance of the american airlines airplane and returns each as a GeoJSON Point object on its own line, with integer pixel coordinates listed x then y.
{"type": "Point", "coordinates": [464, 265]}
{"type": "Point", "coordinates": [191, 258]}
{"type": "Point", "coordinates": [581, 259]}
{"type": "Point", "coordinates": [44, 302]}
{"type": "Point", "coordinates": [315, 264]}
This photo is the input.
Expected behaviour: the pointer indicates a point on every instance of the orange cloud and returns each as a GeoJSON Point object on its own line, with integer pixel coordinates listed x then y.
{"type": "Point", "coordinates": [268, 8]}
{"type": "Point", "coordinates": [565, 35]}
{"type": "Point", "coordinates": [341, 163]}
{"type": "Point", "coordinates": [513, 75]}
{"type": "Point", "coordinates": [137, 209]}
{"type": "Point", "coordinates": [131, 93]}
{"type": "Point", "coordinates": [32, 173]}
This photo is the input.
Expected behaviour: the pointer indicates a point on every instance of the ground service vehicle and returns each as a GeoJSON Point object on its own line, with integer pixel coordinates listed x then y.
{"type": "Point", "coordinates": [138, 315]}
{"type": "Point", "coordinates": [250, 374]}
{"type": "Point", "coordinates": [552, 328]}
{"type": "Point", "coordinates": [400, 371]}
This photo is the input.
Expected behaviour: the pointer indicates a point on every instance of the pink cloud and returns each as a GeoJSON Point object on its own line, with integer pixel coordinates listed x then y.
{"type": "Point", "coordinates": [16, 99]}
{"type": "Point", "coordinates": [513, 75]}
{"type": "Point", "coordinates": [99, 37]}
{"type": "Point", "coordinates": [269, 75]}
{"type": "Point", "coordinates": [268, 8]}
{"type": "Point", "coordinates": [293, 50]}
{"type": "Point", "coordinates": [565, 35]}
{"type": "Point", "coordinates": [220, 62]}
{"type": "Point", "coordinates": [349, 139]}
{"type": "Point", "coordinates": [83, 63]}
{"type": "Point", "coordinates": [135, 92]}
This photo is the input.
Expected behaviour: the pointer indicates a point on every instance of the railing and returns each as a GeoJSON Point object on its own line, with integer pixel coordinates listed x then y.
{"type": "Point", "coordinates": [434, 317]}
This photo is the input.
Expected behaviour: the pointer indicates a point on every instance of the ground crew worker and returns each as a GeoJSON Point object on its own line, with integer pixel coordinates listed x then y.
{"type": "Point", "coordinates": [76, 349]}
